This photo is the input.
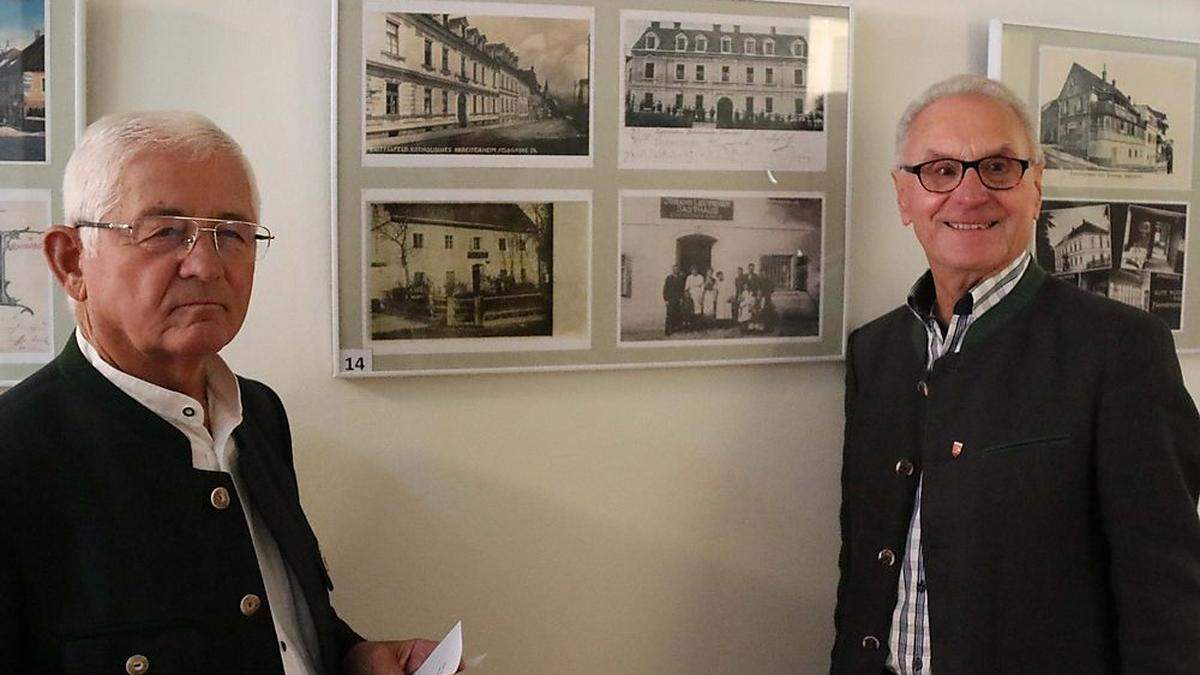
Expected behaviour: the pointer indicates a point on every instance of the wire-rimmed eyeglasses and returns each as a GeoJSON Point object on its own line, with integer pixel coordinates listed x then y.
{"type": "Point", "coordinates": [944, 175]}
{"type": "Point", "coordinates": [234, 240]}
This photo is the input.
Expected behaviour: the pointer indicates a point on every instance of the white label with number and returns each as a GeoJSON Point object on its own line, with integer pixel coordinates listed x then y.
{"type": "Point", "coordinates": [355, 361]}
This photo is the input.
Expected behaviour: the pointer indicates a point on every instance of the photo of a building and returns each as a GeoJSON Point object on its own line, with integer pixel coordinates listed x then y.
{"type": "Point", "coordinates": [1116, 115]}
{"type": "Point", "coordinates": [1079, 236]}
{"type": "Point", "coordinates": [23, 81]}
{"type": "Point", "coordinates": [719, 266]}
{"type": "Point", "coordinates": [460, 269]}
{"type": "Point", "coordinates": [462, 85]}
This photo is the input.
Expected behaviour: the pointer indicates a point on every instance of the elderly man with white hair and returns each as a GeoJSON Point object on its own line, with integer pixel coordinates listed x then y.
{"type": "Point", "coordinates": [150, 519]}
{"type": "Point", "coordinates": [1022, 460]}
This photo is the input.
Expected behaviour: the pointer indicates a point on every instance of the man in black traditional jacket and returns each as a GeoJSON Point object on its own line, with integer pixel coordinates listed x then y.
{"type": "Point", "coordinates": [150, 519]}
{"type": "Point", "coordinates": [1022, 459]}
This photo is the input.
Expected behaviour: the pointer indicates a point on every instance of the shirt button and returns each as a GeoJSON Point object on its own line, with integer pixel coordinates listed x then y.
{"type": "Point", "coordinates": [887, 557]}
{"type": "Point", "coordinates": [189, 411]}
{"type": "Point", "coordinates": [870, 642]}
{"type": "Point", "coordinates": [220, 499]}
{"type": "Point", "coordinates": [923, 388]}
{"type": "Point", "coordinates": [904, 467]}
{"type": "Point", "coordinates": [137, 664]}
{"type": "Point", "coordinates": [282, 646]}
{"type": "Point", "coordinates": [250, 604]}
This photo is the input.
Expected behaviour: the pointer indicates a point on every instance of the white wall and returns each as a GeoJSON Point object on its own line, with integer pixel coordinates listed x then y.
{"type": "Point", "coordinates": [662, 521]}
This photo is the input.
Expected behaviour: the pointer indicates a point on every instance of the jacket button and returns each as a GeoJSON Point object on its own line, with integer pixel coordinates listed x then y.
{"type": "Point", "coordinates": [887, 557]}
{"type": "Point", "coordinates": [220, 498]}
{"type": "Point", "coordinates": [250, 604]}
{"type": "Point", "coordinates": [137, 664]}
{"type": "Point", "coordinates": [923, 388]}
{"type": "Point", "coordinates": [870, 642]}
{"type": "Point", "coordinates": [904, 467]}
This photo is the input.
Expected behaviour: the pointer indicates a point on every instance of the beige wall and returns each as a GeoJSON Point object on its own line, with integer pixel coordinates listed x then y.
{"type": "Point", "coordinates": [659, 521]}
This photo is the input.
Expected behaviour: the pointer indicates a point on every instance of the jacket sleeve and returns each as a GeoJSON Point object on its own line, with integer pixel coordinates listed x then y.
{"type": "Point", "coordinates": [12, 622]}
{"type": "Point", "coordinates": [840, 609]}
{"type": "Point", "coordinates": [1148, 476]}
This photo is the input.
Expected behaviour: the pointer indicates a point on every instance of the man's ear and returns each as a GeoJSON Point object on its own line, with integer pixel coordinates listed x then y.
{"type": "Point", "coordinates": [64, 252]}
{"type": "Point", "coordinates": [897, 182]}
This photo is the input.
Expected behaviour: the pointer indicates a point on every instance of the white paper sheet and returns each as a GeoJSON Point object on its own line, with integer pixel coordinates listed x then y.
{"type": "Point", "coordinates": [446, 656]}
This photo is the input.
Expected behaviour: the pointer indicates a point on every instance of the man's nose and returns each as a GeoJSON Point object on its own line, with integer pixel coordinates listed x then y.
{"type": "Point", "coordinates": [202, 258]}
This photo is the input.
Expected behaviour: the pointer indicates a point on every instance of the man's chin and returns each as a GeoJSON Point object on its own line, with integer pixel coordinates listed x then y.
{"type": "Point", "coordinates": [197, 340]}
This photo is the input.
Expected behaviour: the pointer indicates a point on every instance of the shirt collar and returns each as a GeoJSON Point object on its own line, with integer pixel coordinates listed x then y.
{"type": "Point", "coordinates": [982, 296]}
{"type": "Point", "coordinates": [180, 410]}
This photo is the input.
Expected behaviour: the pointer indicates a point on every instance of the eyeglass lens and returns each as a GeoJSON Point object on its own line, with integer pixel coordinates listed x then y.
{"type": "Point", "coordinates": [234, 239]}
{"type": "Point", "coordinates": [943, 175]}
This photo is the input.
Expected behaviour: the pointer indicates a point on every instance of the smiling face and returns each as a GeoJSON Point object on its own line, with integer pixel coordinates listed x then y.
{"type": "Point", "coordinates": [973, 231]}
{"type": "Point", "coordinates": [146, 310]}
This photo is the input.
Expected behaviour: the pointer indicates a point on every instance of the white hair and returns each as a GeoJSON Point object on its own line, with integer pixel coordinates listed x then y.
{"type": "Point", "coordinates": [968, 84]}
{"type": "Point", "coordinates": [92, 179]}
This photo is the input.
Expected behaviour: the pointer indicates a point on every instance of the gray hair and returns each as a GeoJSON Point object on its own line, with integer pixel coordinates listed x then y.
{"type": "Point", "coordinates": [968, 84]}
{"type": "Point", "coordinates": [92, 179]}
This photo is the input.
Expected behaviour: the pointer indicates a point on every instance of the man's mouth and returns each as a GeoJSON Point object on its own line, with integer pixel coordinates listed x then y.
{"type": "Point", "coordinates": [970, 226]}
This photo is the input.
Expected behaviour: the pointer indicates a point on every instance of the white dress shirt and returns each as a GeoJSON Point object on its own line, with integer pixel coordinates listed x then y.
{"type": "Point", "coordinates": [217, 451]}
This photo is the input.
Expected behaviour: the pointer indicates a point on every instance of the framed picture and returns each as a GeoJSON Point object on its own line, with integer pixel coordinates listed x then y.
{"type": "Point", "coordinates": [1116, 123]}
{"type": "Point", "coordinates": [41, 115]}
{"type": "Point", "coordinates": [512, 191]}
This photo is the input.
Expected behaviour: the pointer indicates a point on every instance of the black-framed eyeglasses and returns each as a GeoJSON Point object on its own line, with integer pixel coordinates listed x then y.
{"type": "Point", "coordinates": [234, 240]}
{"type": "Point", "coordinates": [944, 175]}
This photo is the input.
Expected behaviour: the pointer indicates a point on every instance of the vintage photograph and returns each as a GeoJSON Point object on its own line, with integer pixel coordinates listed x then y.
{"type": "Point", "coordinates": [725, 92]}
{"type": "Point", "coordinates": [704, 266]}
{"type": "Point", "coordinates": [476, 270]}
{"type": "Point", "coordinates": [1131, 252]}
{"type": "Point", "coordinates": [474, 84]}
{"type": "Point", "coordinates": [26, 325]}
{"type": "Point", "coordinates": [23, 81]}
{"type": "Point", "coordinates": [1116, 119]}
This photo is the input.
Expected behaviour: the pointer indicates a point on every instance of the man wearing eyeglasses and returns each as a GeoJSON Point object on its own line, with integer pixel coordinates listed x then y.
{"type": "Point", "coordinates": [1022, 459]}
{"type": "Point", "coordinates": [149, 511]}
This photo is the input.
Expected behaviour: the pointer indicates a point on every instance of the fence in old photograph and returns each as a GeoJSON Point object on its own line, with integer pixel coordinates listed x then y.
{"type": "Point", "coordinates": [494, 310]}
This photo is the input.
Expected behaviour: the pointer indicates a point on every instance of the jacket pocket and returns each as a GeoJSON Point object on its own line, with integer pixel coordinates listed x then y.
{"type": "Point", "coordinates": [1025, 444]}
{"type": "Point", "coordinates": [162, 651]}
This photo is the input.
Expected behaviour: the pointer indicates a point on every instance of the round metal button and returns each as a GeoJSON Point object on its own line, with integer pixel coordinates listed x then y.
{"type": "Point", "coordinates": [904, 467]}
{"type": "Point", "coordinates": [220, 498]}
{"type": "Point", "coordinates": [870, 642]}
{"type": "Point", "coordinates": [923, 388]}
{"type": "Point", "coordinates": [250, 604]}
{"type": "Point", "coordinates": [137, 665]}
{"type": "Point", "coordinates": [887, 557]}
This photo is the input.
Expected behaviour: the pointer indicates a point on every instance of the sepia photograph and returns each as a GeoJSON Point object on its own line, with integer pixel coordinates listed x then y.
{"type": "Point", "coordinates": [26, 325]}
{"type": "Point", "coordinates": [716, 267]}
{"type": "Point", "coordinates": [476, 84]}
{"type": "Point", "coordinates": [1116, 119]}
{"type": "Point", "coordinates": [716, 91]}
{"type": "Point", "coordinates": [476, 272]}
{"type": "Point", "coordinates": [1131, 252]}
{"type": "Point", "coordinates": [23, 81]}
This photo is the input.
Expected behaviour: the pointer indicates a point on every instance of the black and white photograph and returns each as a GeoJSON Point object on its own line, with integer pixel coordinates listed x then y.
{"type": "Point", "coordinates": [710, 91]}
{"type": "Point", "coordinates": [476, 84]}
{"type": "Point", "coordinates": [717, 267]}
{"type": "Point", "coordinates": [476, 271]}
{"type": "Point", "coordinates": [1116, 119]}
{"type": "Point", "coordinates": [1131, 252]}
{"type": "Point", "coordinates": [23, 81]}
{"type": "Point", "coordinates": [26, 303]}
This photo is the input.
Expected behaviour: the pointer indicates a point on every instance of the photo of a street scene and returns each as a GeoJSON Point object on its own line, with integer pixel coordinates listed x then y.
{"type": "Point", "coordinates": [1118, 117]}
{"type": "Point", "coordinates": [1131, 252]}
{"type": "Point", "coordinates": [719, 91]}
{"type": "Point", "coordinates": [23, 81]}
{"type": "Point", "coordinates": [461, 270]}
{"type": "Point", "coordinates": [486, 85]}
{"type": "Point", "coordinates": [719, 266]}
{"type": "Point", "coordinates": [25, 282]}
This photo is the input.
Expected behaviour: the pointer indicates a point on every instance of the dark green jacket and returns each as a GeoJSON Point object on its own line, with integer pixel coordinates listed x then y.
{"type": "Point", "coordinates": [1063, 538]}
{"type": "Point", "coordinates": [110, 545]}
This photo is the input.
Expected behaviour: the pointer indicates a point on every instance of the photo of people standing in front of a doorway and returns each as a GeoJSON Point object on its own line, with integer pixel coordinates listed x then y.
{"type": "Point", "coordinates": [729, 266]}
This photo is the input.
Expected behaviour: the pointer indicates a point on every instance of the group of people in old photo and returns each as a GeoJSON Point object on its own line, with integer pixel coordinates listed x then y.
{"type": "Point", "coordinates": [707, 299]}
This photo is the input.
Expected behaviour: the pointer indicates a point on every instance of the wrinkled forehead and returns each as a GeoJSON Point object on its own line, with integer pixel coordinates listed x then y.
{"type": "Point", "coordinates": [967, 126]}
{"type": "Point", "coordinates": [178, 180]}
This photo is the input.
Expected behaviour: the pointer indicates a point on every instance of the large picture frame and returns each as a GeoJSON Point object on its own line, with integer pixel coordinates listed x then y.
{"type": "Point", "coordinates": [41, 116]}
{"type": "Point", "coordinates": [1116, 119]}
{"type": "Point", "coordinates": [513, 184]}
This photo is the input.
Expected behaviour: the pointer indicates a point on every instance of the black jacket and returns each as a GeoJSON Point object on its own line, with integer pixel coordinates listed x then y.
{"type": "Point", "coordinates": [110, 545]}
{"type": "Point", "coordinates": [1064, 537]}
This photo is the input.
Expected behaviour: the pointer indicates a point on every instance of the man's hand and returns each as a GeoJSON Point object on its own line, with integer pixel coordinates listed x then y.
{"type": "Point", "coordinates": [401, 657]}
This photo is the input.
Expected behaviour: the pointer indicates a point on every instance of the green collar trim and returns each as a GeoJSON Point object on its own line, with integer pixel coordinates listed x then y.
{"type": "Point", "coordinates": [1017, 298]}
